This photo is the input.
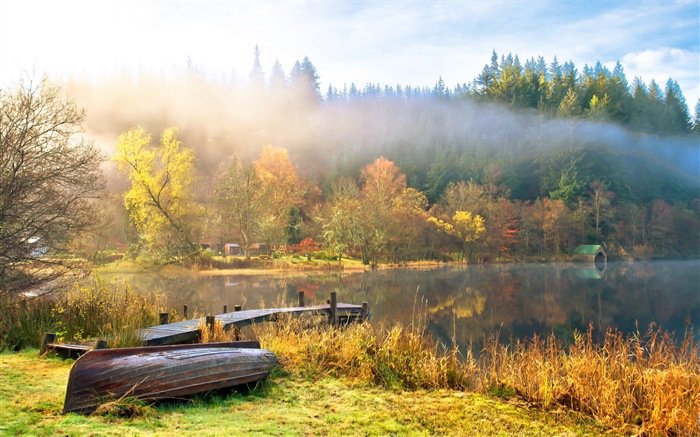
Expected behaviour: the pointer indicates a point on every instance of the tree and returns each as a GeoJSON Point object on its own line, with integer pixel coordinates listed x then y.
{"type": "Point", "coordinates": [281, 189]}
{"type": "Point", "coordinates": [696, 119]}
{"type": "Point", "coordinates": [278, 80]}
{"type": "Point", "coordinates": [50, 179]}
{"type": "Point", "coordinates": [159, 203]}
{"type": "Point", "coordinates": [382, 183]}
{"type": "Point", "coordinates": [342, 223]}
{"type": "Point", "coordinates": [677, 117]}
{"type": "Point", "coordinates": [600, 201]}
{"type": "Point", "coordinates": [304, 80]}
{"type": "Point", "coordinates": [464, 226]}
{"type": "Point", "coordinates": [256, 77]}
{"type": "Point", "coordinates": [238, 199]}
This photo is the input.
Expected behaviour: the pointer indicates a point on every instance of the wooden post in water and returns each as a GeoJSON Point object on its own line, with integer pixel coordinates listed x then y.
{"type": "Point", "coordinates": [237, 307]}
{"type": "Point", "coordinates": [163, 318]}
{"type": "Point", "coordinates": [333, 310]}
{"type": "Point", "coordinates": [184, 312]}
{"type": "Point", "coordinates": [49, 337]}
{"type": "Point", "coordinates": [301, 298]}
{"type": "Point", "coordinates": [225, 309]}
{"type": "Point", "coordinates": [364, 313]}
{"type": "Point", "coordinates": [101, 344]}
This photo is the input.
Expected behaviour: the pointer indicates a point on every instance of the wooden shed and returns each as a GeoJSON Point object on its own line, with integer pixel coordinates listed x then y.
{"type": "Point", "coordinates": [591, 253]}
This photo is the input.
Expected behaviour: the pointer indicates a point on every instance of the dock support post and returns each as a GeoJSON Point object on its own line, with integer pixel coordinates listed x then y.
{"type": "Point", "coordinates": [225, 309]}
{"type": "Point", "coordinates": [301, 299]}
{"type": "Point", "coordinates": [364, 312]}
{"type": "Point", "coordinates": [210, 320]}
{"type": "Point", "coordinates": [163, 318]}
{"type": "Point", "coordinates": [237, 307]}
{"type": "Point", "coordinates": [333, 310]}
{"type": "Point", "coordinates": [184, 312]}
{"type": "Point", "coordinates": [101, 344]}
{"type": "Point", "coordinates": [49, 337]}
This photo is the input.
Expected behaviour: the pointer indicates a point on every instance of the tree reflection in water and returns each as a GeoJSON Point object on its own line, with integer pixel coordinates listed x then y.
{"type": "Point", "coordinates": [470, 303]}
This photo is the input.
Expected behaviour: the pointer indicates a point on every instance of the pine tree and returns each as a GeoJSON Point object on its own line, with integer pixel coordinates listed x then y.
{"type": "Point", "coordinates": [278, 80]}
{"type": "Point", "coordinates": [676, 113]}
{"type": "Point", "coordinates": [696, 121]}
{"type": "Point", "coordinates": [256, 78]}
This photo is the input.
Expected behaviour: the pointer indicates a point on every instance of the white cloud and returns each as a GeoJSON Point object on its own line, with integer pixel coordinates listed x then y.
{"type": "Point", "coordinates": [660, 64]}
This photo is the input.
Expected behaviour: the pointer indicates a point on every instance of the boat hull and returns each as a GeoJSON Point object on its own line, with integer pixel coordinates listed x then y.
{"type": "Point", "coordinates": [163, 372]}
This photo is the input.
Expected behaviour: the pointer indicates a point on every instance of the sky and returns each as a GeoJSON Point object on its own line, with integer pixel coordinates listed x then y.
{"type": "Point", "coordinates": [386, 42]}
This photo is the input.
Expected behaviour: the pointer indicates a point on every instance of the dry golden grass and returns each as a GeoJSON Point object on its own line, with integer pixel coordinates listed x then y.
{"type": "Point", "coordinates": [216, 335]}
{"type": "Point", "coordinates": [644, 384]}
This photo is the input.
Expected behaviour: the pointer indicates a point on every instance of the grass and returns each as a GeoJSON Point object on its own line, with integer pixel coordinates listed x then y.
{"type": "Point", "coordinates": [288, 404]}
{"type": "Point", "coordinates": [97, 309]}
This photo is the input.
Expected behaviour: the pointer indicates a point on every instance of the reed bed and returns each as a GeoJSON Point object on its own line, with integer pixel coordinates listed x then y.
{"type": "Point", "coordinates": [113, 311]}
{"type": "Point", "coordinates": [644, 384]}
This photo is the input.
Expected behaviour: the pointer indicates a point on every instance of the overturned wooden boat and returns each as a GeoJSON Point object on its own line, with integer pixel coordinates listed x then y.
{"type": "Point", "coordinates": [163, 372]}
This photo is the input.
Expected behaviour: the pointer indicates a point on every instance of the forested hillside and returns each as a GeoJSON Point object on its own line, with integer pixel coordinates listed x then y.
{"type": "Point", "coordinates": [541, 156]}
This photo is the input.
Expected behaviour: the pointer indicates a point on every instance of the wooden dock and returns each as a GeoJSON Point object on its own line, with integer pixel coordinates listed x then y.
{"type": "Point", "coordinates": [188, 331]}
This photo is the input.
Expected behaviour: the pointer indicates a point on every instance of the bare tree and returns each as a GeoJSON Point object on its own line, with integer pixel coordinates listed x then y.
{"type": "Point", "coordinates": [50, 178]}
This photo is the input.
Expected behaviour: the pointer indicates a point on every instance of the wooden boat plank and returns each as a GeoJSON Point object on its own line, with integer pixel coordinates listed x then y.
{"type": "Point", "coordinates": [163, 372]}
{"type": "Point", "coordinates": [183, 376]}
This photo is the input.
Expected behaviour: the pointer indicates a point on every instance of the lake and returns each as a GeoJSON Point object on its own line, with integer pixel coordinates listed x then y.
{"type": "Point", "coordinates": [470, 303]}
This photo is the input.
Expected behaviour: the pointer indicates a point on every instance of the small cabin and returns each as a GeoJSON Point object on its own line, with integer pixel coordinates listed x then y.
{"type": "Point", "coordinates": [593, 253]}
{"type": "Point", "coordinates": [232, 249]}
{"type": "Point", "coordinates": [258, 249]}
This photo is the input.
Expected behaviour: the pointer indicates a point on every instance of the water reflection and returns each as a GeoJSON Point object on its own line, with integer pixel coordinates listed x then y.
{"type": "Point", "coordinates": [469, 303]}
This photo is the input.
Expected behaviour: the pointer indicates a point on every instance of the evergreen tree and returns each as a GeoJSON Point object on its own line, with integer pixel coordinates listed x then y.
{"type": "Point", "coordinates": [278, 80]}
{"type": "Point", "coordinates": [696, 121]}
{"type": "Point", "coordinates": [256, 78]}
{"type": "Point", "coordinates": [677, 117]}
{"type": "Point", "coordinates": [310, 76]}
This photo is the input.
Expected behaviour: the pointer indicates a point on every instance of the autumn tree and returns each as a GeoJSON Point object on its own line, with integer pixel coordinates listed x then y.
{"type": "Point", "coordinates": [464, 226]}
{"type": "Point", "coordinates": [409, 230]}
{"type": "Point", "coordinates": [281, 189]}
{"type": "Point", "coordinates": [50, 178]}
{"type": "Point", "coordinates": [160, 202]}
{"type": "Point", "coordinates": [238, 200]}
{"type": "Point", "coordinates": [382, 182]}
{"type": "Point", "coordinates": [342, 221]}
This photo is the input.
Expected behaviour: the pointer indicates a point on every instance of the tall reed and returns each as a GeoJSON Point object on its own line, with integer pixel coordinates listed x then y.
{"type": "Point", "coordinates": [110, 310]}
{"type": "Point", "coordinates": [23, 322]}
{"type": "Point", "coordinates": [644, 383]}
{"type": "Point", "coordinates": [113, 311]}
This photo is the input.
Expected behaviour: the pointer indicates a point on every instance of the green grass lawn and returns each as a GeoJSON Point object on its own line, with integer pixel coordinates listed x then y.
{"type": "Point", "coordinates": [32, 390]}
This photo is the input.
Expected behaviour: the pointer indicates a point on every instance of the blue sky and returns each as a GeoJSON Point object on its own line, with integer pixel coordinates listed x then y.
{"type": "Point", "coordinates": [387, 42]}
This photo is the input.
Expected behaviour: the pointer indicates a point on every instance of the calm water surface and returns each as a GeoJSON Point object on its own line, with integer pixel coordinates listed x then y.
{"type": "Point", "coordinates": [469, 303]}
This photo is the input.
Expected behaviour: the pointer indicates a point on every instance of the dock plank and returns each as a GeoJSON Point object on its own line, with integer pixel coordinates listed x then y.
{"type": "Point", "coordinates": [188, 330]}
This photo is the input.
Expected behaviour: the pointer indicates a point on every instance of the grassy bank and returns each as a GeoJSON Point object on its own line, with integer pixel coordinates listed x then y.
{"type": "Point", "coordinates": [32, 391]}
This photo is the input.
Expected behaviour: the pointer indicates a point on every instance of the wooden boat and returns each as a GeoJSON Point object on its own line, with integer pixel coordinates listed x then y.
{"type": "Point", "coordinates": [163, 372]}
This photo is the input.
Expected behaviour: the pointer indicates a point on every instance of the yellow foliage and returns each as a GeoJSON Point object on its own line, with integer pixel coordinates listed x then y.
{"type": "Point", "coordinates": [465, 226]}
